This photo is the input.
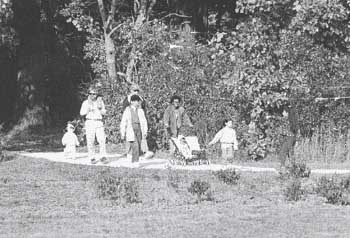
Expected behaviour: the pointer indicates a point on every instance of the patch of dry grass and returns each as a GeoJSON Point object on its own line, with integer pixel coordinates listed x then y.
{"type": "Point", "coordinates": [46, 199]}
{"type": "Point", "coordinates": [324, 147]}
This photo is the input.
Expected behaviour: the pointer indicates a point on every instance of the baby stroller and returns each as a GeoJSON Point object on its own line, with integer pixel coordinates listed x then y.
{"type": "Point", "coordinates": [187, 151]}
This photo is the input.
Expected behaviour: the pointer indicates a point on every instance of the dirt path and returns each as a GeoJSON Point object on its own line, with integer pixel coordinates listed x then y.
{"type": "Point", "coordinates": [157, 163]}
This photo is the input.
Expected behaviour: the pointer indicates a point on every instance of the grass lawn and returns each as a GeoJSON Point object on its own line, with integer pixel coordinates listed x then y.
{"type": "Point", "coordinates": [40, 198]}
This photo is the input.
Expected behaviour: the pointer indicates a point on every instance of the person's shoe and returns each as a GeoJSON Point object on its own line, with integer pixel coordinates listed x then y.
{"type": "Point", "coordinates": [104, 160]}
{"type": "Point", "coordinates": [94, 161]}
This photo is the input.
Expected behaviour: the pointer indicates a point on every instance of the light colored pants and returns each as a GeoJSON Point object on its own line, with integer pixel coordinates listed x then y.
{"type": "Point", "coordinates": [94, 129]}
{"type": "Point", "coordinates": [227, 151]}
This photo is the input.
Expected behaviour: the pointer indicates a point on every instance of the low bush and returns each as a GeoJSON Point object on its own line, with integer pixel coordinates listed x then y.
{"type": "Point", "coordinates": [293, 190]}
{"type": "Point", "coordinates": [117, 189]}
{"type": "Point", "coordinates": [202, 190]}
{"type": "Point", "coordinates": [228, 176]}
{"type": "Point", "coordinates": [297, 170]}
{"type": "Point", "coordinates": [334, 190]}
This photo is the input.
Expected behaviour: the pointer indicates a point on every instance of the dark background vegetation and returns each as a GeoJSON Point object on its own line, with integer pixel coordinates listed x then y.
{"type": "Point", "coordinates": [247, 60]}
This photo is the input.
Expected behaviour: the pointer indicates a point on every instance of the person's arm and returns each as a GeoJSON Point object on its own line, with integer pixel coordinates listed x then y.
{"type": "Point", "coordinates": [101, 106]}
{"type": "Point", "coordinates": [84, 108]}
{"type": "Point", "coordinates": [217, 137]}
{"type": "Point", "coordinates": [143, 122]}
{"type": "Point", "coordinates": [64, 139]}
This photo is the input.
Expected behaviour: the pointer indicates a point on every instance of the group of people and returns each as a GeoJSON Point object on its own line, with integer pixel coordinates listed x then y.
{"type": "Point", "coordinates": [134, 127]}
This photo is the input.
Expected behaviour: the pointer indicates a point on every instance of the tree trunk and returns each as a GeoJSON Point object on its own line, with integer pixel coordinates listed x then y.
{"type": "Point", "coordinates": [110, 57]}
{"type": "Point", "coordinates": [142, 8]}
{"type": "Point", "coordinates": [31, 105]}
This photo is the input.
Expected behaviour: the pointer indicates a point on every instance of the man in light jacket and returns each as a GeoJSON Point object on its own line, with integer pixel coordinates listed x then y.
{"type": "Point", "coordinates": [133, 127]}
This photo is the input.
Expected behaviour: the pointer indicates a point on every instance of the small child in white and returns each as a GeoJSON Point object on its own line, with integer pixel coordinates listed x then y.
{"type": "Point", "coordinates": [227, 138]}
{"type": "Point", "coordinates": [70, 141]}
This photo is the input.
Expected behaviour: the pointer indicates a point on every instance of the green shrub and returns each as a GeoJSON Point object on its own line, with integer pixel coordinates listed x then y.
{"type": "Point", "coordinates": [298, 170]}
{"type": "Point", "coordinates": [117, 189]}
{"type": "Point", "coordinates": [335, 191]}
{"type": "Point", "coordinates": [293, 190]}
{"type": "Point", "coordinates": [228, 176]}
{"type": "Point", "coordinates": [201, 190]}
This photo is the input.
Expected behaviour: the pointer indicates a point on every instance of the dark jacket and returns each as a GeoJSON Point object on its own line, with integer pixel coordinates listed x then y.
{"type": "Point", "coordinates": [172, 125]}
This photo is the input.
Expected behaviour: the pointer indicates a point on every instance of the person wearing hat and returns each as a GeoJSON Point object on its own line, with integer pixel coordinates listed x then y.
{"type": "Point", "coordinates": [133, 128]}
{"type": "Point", "coordinates": [94, 109]}
{"type": "Point", "coordinates": [70, 141]}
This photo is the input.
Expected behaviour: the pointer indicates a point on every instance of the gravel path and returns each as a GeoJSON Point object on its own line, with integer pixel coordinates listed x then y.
{"type": "Point", "coordinates": [156, 163]}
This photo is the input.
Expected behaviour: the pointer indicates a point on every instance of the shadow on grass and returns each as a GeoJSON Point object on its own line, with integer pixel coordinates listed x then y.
{"type": "Point", "coordinates": [35, 140]}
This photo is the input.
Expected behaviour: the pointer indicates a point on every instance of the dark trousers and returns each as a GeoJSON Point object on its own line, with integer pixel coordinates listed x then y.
{"type": "Point", "coordinates": [135, 146]}
{"type": "Point", "coordinates": [287, 149]}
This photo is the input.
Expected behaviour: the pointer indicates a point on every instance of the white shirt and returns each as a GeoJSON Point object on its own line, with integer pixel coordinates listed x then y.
{"type": "Point", "coordinates": [226, 135]}
{"type": "Point", "coordinates": [70, 139]}
{"type": "Point", "coordinates": [91, 110]}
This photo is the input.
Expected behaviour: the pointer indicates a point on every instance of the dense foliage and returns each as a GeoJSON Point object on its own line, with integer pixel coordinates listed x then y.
{"type": "Point", "coordinates": [258, 58]}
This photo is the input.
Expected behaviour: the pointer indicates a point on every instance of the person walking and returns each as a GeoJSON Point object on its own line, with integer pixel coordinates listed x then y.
{"type": "Point", "coordinates": [175, 118]}
{"type": "Point", "coordinates": [289, 138]}
{"type": "Point", "coordinates": [93, 109]}
{"type": "Point", "coordinates": [228, 139]}
{"type": "Point", "coordinates": [133, 128]}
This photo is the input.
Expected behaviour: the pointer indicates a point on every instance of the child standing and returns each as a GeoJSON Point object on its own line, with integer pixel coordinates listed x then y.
{"type": "Point", "coordinates": [70, 141]}
{"type": "Point", "coordinates": [227, 138]}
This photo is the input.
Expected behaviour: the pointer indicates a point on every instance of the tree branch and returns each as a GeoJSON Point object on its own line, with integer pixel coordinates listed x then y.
{"type": "Point", "coordinates": [102, 12]}
{"type": "Point", "coordinates": [150, 7]}
{"type": "Point", "coordinates": [114, 29]}
{"type": "Point", "coordinates": [111, 13]}
{"type": "Point", "coordinates": [175, 14]}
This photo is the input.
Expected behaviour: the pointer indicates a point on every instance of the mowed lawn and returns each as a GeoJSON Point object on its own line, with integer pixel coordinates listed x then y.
{"type": "Point", "coordinates": [39, 198]}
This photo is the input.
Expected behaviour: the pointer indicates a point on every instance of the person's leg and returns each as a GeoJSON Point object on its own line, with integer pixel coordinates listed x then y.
{"type": "Point", "coordinates": [90, 131]}
{"type": "Point", "coordinates": [136, 145]}
{"type": "Point", "coordinates": [134, 151]}
{"type": "Point", "coordinates": [101, 138]}
{"type": "Point", "coordinates": [225, 151]}
{"type": "Point", "coordinates": [230, 155]}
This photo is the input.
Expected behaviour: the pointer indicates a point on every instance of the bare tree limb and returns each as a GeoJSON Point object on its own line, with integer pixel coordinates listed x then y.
{"type": "Point", "coordinates": [111, 13]}
{"type": "Point", "coordinates": [175, 14]}
{"type": "Point", "coordinates": [114, 29]}
{"type": "Point", "coordinates": [102, 12]}
{"type": "Point", "coordinates": [150, 7]}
